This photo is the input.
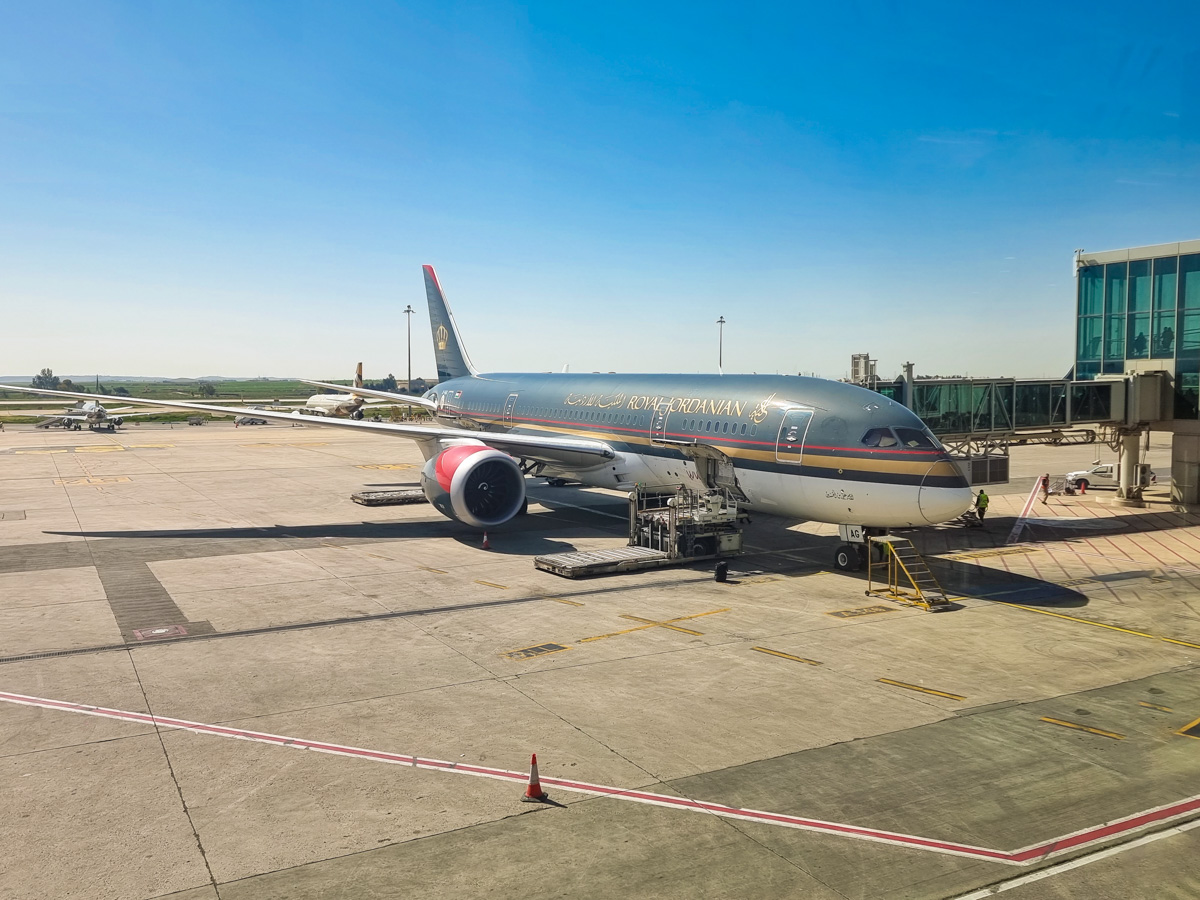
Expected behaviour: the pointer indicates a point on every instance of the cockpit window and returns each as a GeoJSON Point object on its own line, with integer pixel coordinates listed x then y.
{"type": "Point", "coordinates": [915, 439]}
{"type": "Point", "coordinates": [879, 437]}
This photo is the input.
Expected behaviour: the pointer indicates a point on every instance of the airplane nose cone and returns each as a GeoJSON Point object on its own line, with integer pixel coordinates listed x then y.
{"type": "Point", "coordinates": [943, 496]}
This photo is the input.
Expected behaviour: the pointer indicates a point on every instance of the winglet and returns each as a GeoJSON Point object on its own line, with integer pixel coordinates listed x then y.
{"type": "Point", "coordinates": [448, 351]}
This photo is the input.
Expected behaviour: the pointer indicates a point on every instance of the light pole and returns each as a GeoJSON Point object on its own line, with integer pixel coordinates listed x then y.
{"type": "Point", "coordinates": [721, 345]}
{"type": "Point", "coordinates": [408, 311]}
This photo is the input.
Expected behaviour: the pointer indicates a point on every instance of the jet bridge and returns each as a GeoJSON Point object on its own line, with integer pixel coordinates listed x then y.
{"type": "Point", "coordinates": [977, 419]}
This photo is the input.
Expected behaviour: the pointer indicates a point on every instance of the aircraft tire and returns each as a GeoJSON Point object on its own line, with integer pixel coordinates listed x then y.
{"type": "Point", "coordinates": [845, 558]}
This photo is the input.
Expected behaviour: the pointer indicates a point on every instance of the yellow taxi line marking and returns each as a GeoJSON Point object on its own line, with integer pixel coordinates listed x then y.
{"type": "Point", "coordinates": [377, 556]}
{"type": "Point", "coordinates": [782, 655]}
{"type": "Point", "coordinates": [663, 625]}
{"type": "Point", "coordinates": [434, 571]}
{"type": "Point", "coordinates": [563, 600]}
{"type": "Point", "coordinates": [601, 637]}
{"type": "Point", "coordinates": [1155, 706]}
{"type": "Point", "coordinates": [1181, 643]}
{"type": "Point", "coordinates": [1186, 730]}
{"type": "Point", "coordinates": [923, 690]}
{"type": "Point", "coordinates": [1088, 729]}
{"type": "Point", "coordinates": [503, 587]}
{"type": "Point", "coordinates": [1046, 612]}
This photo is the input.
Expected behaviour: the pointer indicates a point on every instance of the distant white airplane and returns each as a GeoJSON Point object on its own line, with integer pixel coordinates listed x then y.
{"type": "Point", "coordinates": [93, 414]}
{"type": "Point", "coordinates": [350, 405]}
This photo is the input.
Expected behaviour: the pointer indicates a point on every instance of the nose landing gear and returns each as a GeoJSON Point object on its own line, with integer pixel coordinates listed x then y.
{"type": "Point", "coordinates": [852, 554]}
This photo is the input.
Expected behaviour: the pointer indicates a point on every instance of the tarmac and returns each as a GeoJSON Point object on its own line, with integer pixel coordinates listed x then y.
{"type": "Point", "coordinates": [221, 678]}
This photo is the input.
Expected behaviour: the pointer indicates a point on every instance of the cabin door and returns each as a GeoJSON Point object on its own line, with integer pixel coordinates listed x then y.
{"type": "Point", "coordinates": [658, 422]}
{"type": "Point", "coordinates": [790, 446]}
{"type": "Point", "coordinates": [509, 405]}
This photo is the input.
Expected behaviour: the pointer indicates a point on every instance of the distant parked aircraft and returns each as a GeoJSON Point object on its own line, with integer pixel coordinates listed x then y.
{"type": "Point", "coordinates": [92, 414]}
{"type": "Point", "coordinates": [350, 405]}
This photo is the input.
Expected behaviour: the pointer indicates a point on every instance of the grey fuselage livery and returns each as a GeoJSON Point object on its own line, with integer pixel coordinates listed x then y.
{"type": "Point", "coordinates": [793, 446]}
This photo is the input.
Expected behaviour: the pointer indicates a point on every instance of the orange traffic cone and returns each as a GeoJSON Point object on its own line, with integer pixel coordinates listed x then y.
{"type": "Point", "coordinates": [487, 545]}
{"type": "Point", "coordinates": [1083, 487]}
{"type": "Point", "coordinates": [533, 793]}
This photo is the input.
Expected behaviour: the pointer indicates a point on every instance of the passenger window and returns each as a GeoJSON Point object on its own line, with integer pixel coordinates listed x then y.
{"type": "Point", "coordinates": [879, 437]}
{"type": "Point", "coordinates": [915, 439]}
{"type": "Point", "coordinates": [725, 428]}
{"type": "Point", "coordinates": [743, 428]}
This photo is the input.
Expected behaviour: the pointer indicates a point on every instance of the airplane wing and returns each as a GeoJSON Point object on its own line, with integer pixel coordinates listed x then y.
{"type": "Point", "coordinates": [573, 452]}
{"type": "Point", "coordinates": [398, 399]}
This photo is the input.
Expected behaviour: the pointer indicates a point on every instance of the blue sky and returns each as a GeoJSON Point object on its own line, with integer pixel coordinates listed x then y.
{"type": "Point", "coordinates": [204, 188]}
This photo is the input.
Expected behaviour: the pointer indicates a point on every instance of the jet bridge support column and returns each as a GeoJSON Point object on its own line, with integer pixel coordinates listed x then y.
{"type": "Point", "coordinates": [1129, 489]}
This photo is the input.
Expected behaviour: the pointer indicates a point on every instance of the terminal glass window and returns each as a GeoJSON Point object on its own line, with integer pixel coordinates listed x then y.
{"type": "Point", "coordinates": [1115, 282]}
{"type": "Point", "coordinates": [1091, 291]}
{"type": "Point", "coordinates": [1089, 337]}
{"type": "Point", "coordinates": [1162, 325]}
{"type": "Point", "coordinates": [1114, 289]}
{"type": "Point", "coordinates": [1189, 333]}
{"type": "Point", "coordinates": [1189, 281]}
{"type": "Point", "coordinates": [1114, 339]}
{"type": "Point", "coordinates": [1137, 336]}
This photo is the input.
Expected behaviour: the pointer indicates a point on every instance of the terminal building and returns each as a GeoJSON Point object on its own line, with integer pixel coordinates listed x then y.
{"type": "Point", "coordinates": [1138, 311]}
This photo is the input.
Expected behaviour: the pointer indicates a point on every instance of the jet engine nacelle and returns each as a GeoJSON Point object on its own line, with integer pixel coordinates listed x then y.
{"type": "Point", "coordinates": [474, 484]}
{"type": "Point", "coordinates": [118, 421]}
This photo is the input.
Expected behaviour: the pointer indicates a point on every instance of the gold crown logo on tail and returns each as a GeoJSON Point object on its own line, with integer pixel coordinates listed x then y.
{"type": "Point", "coordinates": [442, 337]}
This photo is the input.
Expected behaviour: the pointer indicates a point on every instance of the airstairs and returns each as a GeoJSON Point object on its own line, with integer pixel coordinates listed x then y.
{"type": "Point", "coordinates": [909, 579]}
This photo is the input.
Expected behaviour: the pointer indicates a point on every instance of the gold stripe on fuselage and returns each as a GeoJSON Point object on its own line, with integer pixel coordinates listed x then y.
{"type": "Point", "coordinates": [820, 459]}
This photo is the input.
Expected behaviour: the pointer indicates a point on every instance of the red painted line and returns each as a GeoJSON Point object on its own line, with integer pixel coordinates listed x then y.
{"type": "Point", "coordinates": [1018, 857]}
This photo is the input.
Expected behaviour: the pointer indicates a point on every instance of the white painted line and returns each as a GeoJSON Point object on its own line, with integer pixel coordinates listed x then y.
{"type": "Point", "coordinates": [1076, 863]}
{"type": "Point", "coordinates": [1019, 525]}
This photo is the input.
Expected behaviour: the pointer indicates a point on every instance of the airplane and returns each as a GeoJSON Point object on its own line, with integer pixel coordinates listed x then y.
{"type": "Point", "coordinates": [794, 446]}
{"type": "Point", "coordinates": [93, 414]}
{"type": "Point", "coordinates": [349, 405]}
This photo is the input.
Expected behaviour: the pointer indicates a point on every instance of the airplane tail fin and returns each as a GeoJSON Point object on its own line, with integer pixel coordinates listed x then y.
{"type": "Point", "coordinates": [451, 358]}
{"type": "Point", "coordinates": [358, 376]}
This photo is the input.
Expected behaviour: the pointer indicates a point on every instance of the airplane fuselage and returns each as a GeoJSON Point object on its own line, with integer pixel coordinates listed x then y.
{"type": "Point", "coordinates": [788, 445]}
{"type": "Point", "coordinates": [333, 404]}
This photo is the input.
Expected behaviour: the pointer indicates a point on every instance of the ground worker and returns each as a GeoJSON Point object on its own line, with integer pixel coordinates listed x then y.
{"type": "Point", "coordinates": [1045, 486]}
{"type": "Point", "coordinates": [981, 504]}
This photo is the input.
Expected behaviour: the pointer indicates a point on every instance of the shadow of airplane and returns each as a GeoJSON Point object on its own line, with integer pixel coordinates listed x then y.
{"type": "Point", "coordinates": [523, 536]}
